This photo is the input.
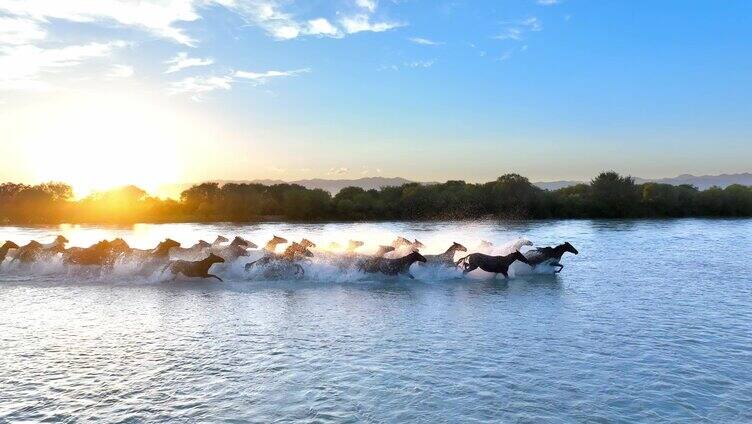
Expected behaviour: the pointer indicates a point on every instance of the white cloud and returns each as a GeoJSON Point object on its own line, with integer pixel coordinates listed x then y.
{"type": "Point", "coordinates": [516, 30]}
{"type": "Point", "coordinates": [20, 31]}
{"type": "Point", "coordinates": [158, 17]}
{"type": "Point", "coordinates": [322, 26]}
{"type": "Point", "coordinates": [182, 61]}
{"type": "Point", "coordinates": [362, 22]}
{"type": "Point", "coordinates": [419, 64]}
{"type": "Point", "coordinates": [22, 66]}
{"type": "Point", "coordinates": [369, 5]}
{"type": "Point", "coordinates": [120, 71]}
{"type": "Point", "coordinates": [338, 171]}
{"type": "Point", "coordinates": [197, 86]}
{"type": "Point", "coordinates": [262, 77]}
{"type": "Point", "coordinates": [548, 2]}
{"type": "Point", "coordinates": [424, 41]}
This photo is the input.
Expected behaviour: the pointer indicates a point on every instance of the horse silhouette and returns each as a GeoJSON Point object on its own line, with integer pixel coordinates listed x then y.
{"type": "Point", "coordinates": [393, 266]}
{"type": "Point", "coordinates": [495, 264]}
{"type": "Point", "coordinates": [198, 269]}
{"type": "Point", "coordinates": [550, 255]}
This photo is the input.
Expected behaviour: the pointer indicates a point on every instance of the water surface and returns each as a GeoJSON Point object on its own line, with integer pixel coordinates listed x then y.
{"type": "Point", "coordinates": [651, 322]}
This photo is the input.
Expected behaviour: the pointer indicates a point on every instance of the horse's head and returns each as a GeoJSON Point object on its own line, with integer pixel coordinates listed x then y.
{"type": "Point", "coordinates": [485, 244]}
{"type": "Point", "coordinates": [458, 247]}
{"type": "Point", "coordinates": [307, 253]}
{"type": "Point", "coordinates": [416, 256]}
{"type": "Point", "coordinates": [525, 242]}
{"type": "Point", "coordinates": [10, 245]}
{"type": "Point", "coordinates": [307, 243]}
{"type": "Point", "coordinates": [203, 244]}
{"type": "Point", "coordinates": [277, 240]}
{"type": "Point", "coordinates": [220, 240]}
{"type": "Point", "coordinates": [240, 241]}
{"type": "Point", "coordinates": [401, 241]}
{"type": "Point", "coordinates": [417, 245]}
{"type": "Point", "coordinates": [354, 244]}
{"type": "Point", "coordinates": [166, 245]}
{"type": "Point", "coordinates": [214, 259]}
{"type": "Point", "coordinates": [569, 248]}
{"type": "Point", "coordinates": [61, 240]}
{"type": "Point", "coordinates": [520, 257]}
{"type": "Point", "coordinates": [34, 244]}
{"type": "Point", "coordinates": [119, 245]}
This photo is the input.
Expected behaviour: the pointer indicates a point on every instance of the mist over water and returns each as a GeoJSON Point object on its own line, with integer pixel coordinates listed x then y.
{"type": "Point", "coordinates": [649, 322]}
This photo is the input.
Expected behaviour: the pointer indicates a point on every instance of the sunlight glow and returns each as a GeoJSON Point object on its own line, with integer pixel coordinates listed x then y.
{"type": "Point", "coordinates": [104, 142]}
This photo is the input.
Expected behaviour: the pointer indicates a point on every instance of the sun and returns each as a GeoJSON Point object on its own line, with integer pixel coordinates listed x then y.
{"type": "Point", "coordinates": [104, 141]}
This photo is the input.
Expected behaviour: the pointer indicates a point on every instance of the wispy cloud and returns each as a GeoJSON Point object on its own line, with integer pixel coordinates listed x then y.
{"type": "Point", "coordinates": [120, 71]}
{"type": "Point", "coordinates": [263, 77]}
{"type": "Point", "coordinates": [517, 29]}
{"type": "Point", "coordinates": [200, 85]}
{"type": "Point", "coordinates": [158, 17]}
{"type": "Point", "coordinates": [17, 31]}
{"type": "Point", "coordinates": [338, 171]}
{"type": "Point", "coordinates": [182, 61]}
{"type": "Point", "coordinates": [21, 67]}
{"type": "Point", "coordinates": [548, 2]}
{"type": "Point", "coordinates": [369, 5]}
{"type": "Point", "coordinates": [424, 41]}
{"type": "Point", "coordinates": [362, 22]}
{"type": "Point", "coordinates": [419, 64]}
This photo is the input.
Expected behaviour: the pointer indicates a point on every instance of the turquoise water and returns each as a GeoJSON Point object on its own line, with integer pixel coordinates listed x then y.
{"type": "Point", "coordinates": [651, 322]}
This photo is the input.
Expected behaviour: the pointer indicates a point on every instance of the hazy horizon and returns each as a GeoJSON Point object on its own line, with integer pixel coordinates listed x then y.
{"type": "Point", "coordinates": [154, 93]}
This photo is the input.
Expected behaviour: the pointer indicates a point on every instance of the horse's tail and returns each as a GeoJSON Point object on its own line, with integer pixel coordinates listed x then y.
{"type": "Point", "coordinates": [461, 260]}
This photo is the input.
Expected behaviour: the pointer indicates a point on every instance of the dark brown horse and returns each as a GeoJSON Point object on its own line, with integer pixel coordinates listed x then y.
{"type": "Point", "coordinates": [550, 255]}
{"type": "Point", "coordinates": [292, 253]}
{"type": "Point", "coordinates": [392, 266]}
{"type": "Point", "coordinates": [199, 269]}
{"type": "Point", "coordinates": [495, 264]}
{"type": "Point", "coordinates": [5, 248]}
{"type": "Point", "coordinates": [102, 253]}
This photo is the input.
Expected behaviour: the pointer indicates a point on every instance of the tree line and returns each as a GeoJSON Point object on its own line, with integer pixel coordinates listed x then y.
{"type": "Point", "coordinates": [511, 196]}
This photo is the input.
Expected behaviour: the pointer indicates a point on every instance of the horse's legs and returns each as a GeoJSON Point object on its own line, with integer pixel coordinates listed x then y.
{"type": "Point", "coordinates": [412, 277]}
{"type": "Point", "coordinates": [213, 276]}
{"type": "Point", "coordinates": [469, 268]}
{"type": "Point", "coordinates": [555, 264]}
{"type": "Point", "coordinates": [504, 274]}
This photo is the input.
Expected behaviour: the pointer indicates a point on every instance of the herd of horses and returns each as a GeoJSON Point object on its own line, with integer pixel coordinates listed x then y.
{"type": "Point", "coordinates": [197, 260]}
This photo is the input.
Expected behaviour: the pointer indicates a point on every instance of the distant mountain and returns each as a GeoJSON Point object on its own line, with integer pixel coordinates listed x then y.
{"type": "Point", "coordinates": [555, 185]}
{"type": "Point", "coordinates": [702, 182]}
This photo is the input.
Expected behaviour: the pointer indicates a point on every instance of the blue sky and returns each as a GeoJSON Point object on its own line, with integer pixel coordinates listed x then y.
{"type": "Point", "coordinates": [428, 90]}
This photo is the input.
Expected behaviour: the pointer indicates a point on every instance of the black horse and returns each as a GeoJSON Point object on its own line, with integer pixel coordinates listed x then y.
{"type": "Point", "coordinates": [392, 266]}
{"type": "Point", "coordinates": [550, 255]}
{"type": "Point", "coordinates": [194, 268]}
{"type": "Point", "coordinates": [495, 264]}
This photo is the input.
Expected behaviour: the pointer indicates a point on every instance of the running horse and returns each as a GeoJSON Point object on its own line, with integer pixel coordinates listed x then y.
{"type": "Point", "coordinates": [495, 264]}
{"type": "Point", "coordinates": [5, 248]}
{"type": "Point", "coordinates": [198, 269]}
{"type": "Point", "coordinates": [393, 266]}
{"type": "Point", "coordinates": [550, 255]}
{"type": "Point", "coordinates": [446, 258]}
